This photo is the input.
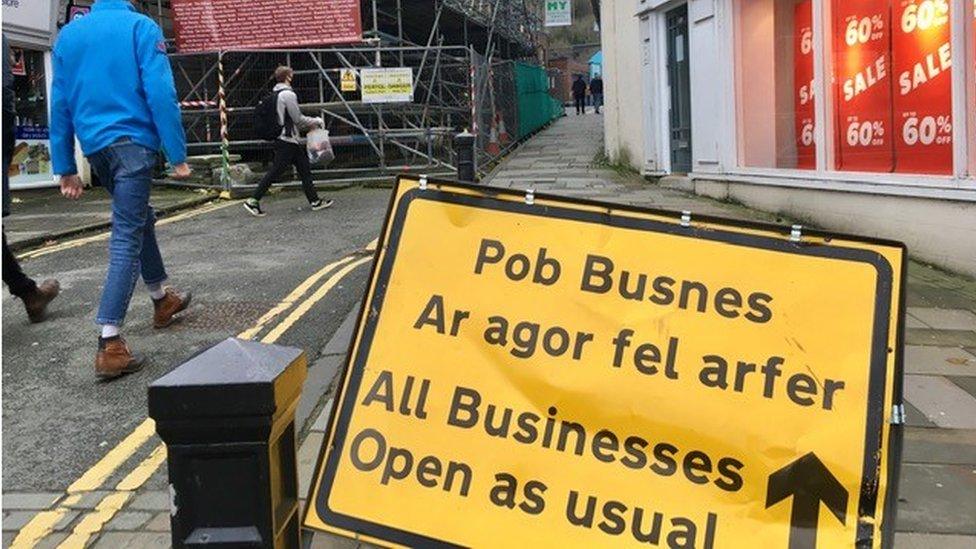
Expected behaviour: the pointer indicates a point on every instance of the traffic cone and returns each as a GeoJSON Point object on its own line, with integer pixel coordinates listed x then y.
{"type": "Point", "coordinates": [493, 148]}
{"type": "Point", "coordinates": [503, 136]}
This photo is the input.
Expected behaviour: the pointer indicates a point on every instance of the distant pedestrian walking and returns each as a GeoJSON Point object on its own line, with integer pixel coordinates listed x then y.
{"type": "Point", "coordinates": [113, 90]}
{"type": "Point", "coordinates": [288, 147]}
{"type": "Point", "coordinates": [34, 296]}
{"type": "Point", "coordinates": [596, 92]}
{"type": "Point", "coordinates": [579, 94]}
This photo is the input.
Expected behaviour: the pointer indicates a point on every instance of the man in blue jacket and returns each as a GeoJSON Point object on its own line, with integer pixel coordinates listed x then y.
{"type": "Point", "coordinates": [113, 90]}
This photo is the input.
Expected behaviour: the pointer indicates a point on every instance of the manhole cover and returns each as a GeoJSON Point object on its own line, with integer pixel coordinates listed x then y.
{"type": "Point", "coordinates": [234, 316]}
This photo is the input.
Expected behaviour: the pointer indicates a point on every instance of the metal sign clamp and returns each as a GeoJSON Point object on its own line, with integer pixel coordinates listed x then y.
{"type": "Point", "coordinates": [796, 231]}
{"type": "Point", "coordinates": [898, 414]}
{"type": "Point", "coordinates": [423, 182]}
{"type": "Point", "coordinates": [530, 196]}
{"type": "Point", "coordinates": [686, 218]}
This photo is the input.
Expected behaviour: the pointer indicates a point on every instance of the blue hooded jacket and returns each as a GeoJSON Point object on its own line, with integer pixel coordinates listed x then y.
{"type": "Point", "coordinates": [112, 79]}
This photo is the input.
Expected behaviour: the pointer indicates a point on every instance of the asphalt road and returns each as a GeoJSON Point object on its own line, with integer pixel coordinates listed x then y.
{"type": "Point", "coordinates": [58, 420]}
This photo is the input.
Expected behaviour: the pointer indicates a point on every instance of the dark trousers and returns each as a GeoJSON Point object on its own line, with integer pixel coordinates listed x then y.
{"type": "Point", "coordinates": [580, 104]}
{"type": "Point", "coordinates": [597, 101]}
{"type": "Point", "coordinates": [286, 155]}
{"type": "Point", "coordinates": [20, 284]}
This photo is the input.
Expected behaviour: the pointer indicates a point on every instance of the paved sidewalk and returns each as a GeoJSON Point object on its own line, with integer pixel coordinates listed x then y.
{"type": "Point", "coordinates": [937, 499]}
{"type": "Point", "coordinates": [40, 215]}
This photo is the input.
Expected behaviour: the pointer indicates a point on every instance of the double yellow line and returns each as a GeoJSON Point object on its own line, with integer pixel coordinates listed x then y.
{"type": "Point", "coordinates": [295, 304]}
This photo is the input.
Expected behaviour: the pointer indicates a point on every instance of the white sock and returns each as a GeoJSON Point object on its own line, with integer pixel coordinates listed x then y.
{"type": "Point", "coordinates": [156, 290]}
{"type": "Point", "coordinates": [109, 330]}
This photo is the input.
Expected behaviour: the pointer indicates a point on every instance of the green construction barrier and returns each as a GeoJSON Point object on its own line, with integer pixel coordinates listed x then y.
{"type": "Point", "coordinates": [536, 107]}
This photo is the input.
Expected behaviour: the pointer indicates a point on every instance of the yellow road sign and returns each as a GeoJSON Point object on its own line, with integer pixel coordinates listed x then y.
{"type": "Point", "coordinates": [536, 371]}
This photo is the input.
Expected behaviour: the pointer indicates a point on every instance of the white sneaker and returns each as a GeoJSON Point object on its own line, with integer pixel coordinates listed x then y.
{"type": "Point", "coordinates": [321, 204]}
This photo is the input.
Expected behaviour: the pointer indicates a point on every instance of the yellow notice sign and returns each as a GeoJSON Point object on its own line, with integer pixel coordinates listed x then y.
{"type": "Point", "coordinates": [347, 80]}
{"type": "Point", "coordinates": [534, 371]}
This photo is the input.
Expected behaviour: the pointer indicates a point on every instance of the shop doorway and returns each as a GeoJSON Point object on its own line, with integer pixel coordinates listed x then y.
{"type": "Point", "coordinates": [679, 83]}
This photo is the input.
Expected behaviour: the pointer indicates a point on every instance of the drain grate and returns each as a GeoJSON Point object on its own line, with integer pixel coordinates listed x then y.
{"type": "Point", "coordinates": [234, 316]}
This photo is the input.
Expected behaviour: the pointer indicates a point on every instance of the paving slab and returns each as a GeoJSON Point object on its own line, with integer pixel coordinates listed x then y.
{"type": "Point", "coordinates": [159, 523]}
{"type": "Point", "coordinates": [932, 360]}
{"type": "Point", "coordinates": [940, 338]}
{"type": "Point", "coordinates": [308, 454]}
{"type": "Point", "coordinates": [915, 418]}
{"type": "Point", "coordinates": [323, 540]}
{"type": "Point", "coordinates": [88, 500]}
{"type": "Point", "coordinates": [128, 520]}
{"type": "Point", "coordinates": [132, 540]}
{"type": "Point", "coordinates": [912, 540]}
{"type": "Point", "coordinates": [322, 422]}
{"type": "Point", "coordinates": [943, 402]}
{"type": "Point", "coordinates": [151, 500]}
{"type": "Point", "coordinates": [938, 499]}
{"type": "Point", "coordinates": [39, 500]}
{"type": "Point", "coordinates": [945, 319]}
{"type": "Point", "coordinates": [53, 541]}
{"type": "Point", "coordinates": [966, 383]}
{"type": "Point", "coordinates": [945, 446]}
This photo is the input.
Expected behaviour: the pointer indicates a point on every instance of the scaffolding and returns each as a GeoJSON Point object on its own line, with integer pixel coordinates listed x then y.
{"type": "Point", "coordinates": [460, 53]}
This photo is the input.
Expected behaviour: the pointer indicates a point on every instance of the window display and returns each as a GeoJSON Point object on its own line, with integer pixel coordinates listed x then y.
{"type": "Point", "coordinates": [31, 162]}
{"type": "Point", "coordinates": [774, 54]}
{"type": "Point", "coordinates": [806, 151]}
{"type": "Point", "coordinates": [862, 99]}
{"type": "Point", "coordinates": [922, 102]}
{"type": "Point", "coordinates": [887, 75]}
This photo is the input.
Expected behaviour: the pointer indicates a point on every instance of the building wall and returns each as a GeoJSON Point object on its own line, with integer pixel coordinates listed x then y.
{"type": "Point", "coordinates": [565, 71]}
{"type": "Point", "coordinates": [934, 215]}
{"type": "Point", "coordinates": [622, 82]}
{"type": "Point", "coordinates": [940, 232]}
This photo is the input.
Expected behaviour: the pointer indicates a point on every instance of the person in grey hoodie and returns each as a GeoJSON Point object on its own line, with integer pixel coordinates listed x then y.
{"type": "Point", "coordinates": [288, 148]}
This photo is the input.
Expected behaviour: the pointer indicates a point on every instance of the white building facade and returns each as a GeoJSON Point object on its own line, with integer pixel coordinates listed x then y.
{"type": "Point", "coordinates": [853, 115]}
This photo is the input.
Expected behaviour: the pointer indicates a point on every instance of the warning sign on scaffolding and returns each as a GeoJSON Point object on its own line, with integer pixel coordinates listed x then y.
{"type": "Point", "coordinates": [559, 13]}
{"type": "Point", "coordinates": [529, 368]}
{"type": "Point", "coordinates": [387, 85]}
{"type": "Point", "coordinates": [347, 80]}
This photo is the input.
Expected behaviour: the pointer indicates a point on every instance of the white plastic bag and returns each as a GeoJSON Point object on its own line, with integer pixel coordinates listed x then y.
{"type": "Point", "coordinates": [319, 147]}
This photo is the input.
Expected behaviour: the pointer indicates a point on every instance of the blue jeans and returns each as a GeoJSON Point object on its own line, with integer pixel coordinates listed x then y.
{"type": "Point", "coordinates": [125, 170]}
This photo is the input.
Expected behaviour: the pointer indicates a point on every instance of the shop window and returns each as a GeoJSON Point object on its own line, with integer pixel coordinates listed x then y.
{"type": "Point", "coordinates": [774, 79]}
{"type": "Point", "coordinates": [31, 161]}
{"type": "Point", "coordinates": [892, 91]}
{"type": "Point", "coordinates": [971, 86]}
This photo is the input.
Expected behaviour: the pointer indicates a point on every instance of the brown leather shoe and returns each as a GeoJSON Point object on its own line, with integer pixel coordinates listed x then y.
{"type": "Point", "coordinates": [114, 358]}
{"type": "Point", "coordinates": [37, 301]}
{"type": "Point", "coordinates": [168, 306]}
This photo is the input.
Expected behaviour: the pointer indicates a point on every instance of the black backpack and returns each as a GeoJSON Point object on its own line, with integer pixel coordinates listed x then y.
{"type": "Point", "coordinates": [266, 122]}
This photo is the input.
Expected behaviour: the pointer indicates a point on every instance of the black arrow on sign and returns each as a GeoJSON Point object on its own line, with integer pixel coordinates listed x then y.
{"type": "Point", "coordinates": [809, 482]}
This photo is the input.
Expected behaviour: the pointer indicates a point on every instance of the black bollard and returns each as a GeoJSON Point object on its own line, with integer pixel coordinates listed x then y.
{"type": "Point", "coordinates": [464, 147]}
{"type": "Point", "coordinates": [227, 417]}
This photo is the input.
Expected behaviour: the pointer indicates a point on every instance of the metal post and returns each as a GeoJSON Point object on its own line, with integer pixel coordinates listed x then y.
{"type": "Point", "coordinates": [224, 138]}
{"type": "Point", "coordinates": [464, 147]}
{"type": "Point", "coordinates": [227, 417]}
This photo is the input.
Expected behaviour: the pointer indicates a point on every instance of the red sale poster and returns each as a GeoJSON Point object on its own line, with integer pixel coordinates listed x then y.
{"type": "Point", "coordinates": [922, 61]}
{"type": "Point", "coordinates": [806, 150]}
{"type": "Point", "coordinates": [211, 25]}
{"type": "Point", "coordinates": [862, 84]}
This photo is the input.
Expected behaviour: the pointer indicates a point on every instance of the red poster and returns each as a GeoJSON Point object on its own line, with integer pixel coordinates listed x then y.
{"type": "Point", "coordinates": [862, 84]}
{"type": "Point", "coordinates": [922, 59]}
{"type": "Point", "coordinates": [806, 150]}
{"type": "Point", "coordinates": [210, 25]}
